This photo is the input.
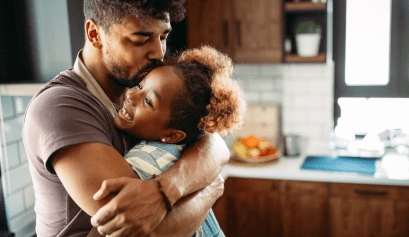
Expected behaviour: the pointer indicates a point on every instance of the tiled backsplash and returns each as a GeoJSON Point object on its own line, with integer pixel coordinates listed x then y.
{"type": "Point", "coordinates": [304, 91]}
{"type": "Point", "coordinates": [17, 185]}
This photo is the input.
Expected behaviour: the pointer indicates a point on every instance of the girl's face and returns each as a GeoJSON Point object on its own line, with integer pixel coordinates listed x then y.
{"type": "Point", "coordinates": [147, 106]}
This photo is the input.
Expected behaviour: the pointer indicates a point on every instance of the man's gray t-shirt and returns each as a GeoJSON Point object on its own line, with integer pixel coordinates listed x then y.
{"type": "Point", "coordinates": [64, 112]}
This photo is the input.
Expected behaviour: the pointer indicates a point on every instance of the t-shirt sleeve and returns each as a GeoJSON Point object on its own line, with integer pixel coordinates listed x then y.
{"type": "Point", "coordinates": [60, 117]}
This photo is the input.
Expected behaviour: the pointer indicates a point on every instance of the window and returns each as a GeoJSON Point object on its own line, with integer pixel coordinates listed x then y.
{"type": "Point", "coordinates": [371, 54]}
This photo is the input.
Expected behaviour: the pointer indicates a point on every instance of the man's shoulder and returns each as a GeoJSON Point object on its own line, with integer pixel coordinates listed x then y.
{"type": "Point", "coordinates": [67, 81]}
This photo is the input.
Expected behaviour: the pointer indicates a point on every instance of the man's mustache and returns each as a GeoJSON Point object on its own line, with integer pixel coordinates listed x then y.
{"type": "Point", "coordinates": [148, 68]}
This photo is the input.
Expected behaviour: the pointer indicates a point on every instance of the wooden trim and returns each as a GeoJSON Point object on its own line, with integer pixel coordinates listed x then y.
{"type": "Point", "coordinates": [304, 6]}
{"type": "Point", "coordinates": [294, 58]}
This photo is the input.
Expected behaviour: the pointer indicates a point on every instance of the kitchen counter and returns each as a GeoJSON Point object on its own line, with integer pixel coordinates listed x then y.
{"type": "Point", "coordinates": [390, 170]}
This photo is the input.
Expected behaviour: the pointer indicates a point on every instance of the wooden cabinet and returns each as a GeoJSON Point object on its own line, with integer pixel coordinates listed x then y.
{"type": "Point", "coordinates": [210, 22]}
{"type": "Point", "coordinates": [260, 207]}
{"type": "Point", "coordinates": [304, 208]}
{"type": "Point", "coordinates": [368, 210]}
{"type": "Point", "coordinates": [248, 31]}
{"type": "Point", "coordinates": [253, 208]}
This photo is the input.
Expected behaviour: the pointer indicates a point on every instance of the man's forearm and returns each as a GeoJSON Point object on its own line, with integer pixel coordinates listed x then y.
{"type": "Point", "coordinates": [190, 211]}
{"type": "Point", "coordinates": [197, 168]}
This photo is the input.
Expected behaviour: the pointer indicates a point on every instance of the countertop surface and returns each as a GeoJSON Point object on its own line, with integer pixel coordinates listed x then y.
{"type": "Point", "coordinates": [390, 170]}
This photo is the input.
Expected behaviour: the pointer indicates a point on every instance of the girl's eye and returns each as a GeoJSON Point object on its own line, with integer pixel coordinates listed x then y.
{"type": "Point", "coordinates": [149, 102]}
{"type": "Point", "coordinates": [139, 86]}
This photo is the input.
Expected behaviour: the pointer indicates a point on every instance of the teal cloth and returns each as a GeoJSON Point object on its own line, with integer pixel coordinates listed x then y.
{"type": "Point", "coordinates": [344, 164]}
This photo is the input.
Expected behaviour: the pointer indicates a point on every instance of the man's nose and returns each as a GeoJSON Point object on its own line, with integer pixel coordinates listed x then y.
{"type": "Point", "coordinates": [157, 50]}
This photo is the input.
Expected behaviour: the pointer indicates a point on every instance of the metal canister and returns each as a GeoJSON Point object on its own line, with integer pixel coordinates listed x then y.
{"type": "Point", "coordinates": [291, 145]}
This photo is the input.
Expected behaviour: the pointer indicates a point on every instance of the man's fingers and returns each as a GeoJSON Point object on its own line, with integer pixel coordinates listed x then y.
{"type": "Point", "coordinates": [104, 214]}
{"type": "Point", "coordinates": [111, 227]}
{"type": "Point", "coordinates": [109, 186]}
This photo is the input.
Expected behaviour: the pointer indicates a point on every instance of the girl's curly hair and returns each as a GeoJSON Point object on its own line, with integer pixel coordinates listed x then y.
{"type": "Point", "coordinates": [211, 100]}
{"type": "Point", "coordinates": [108, 12]}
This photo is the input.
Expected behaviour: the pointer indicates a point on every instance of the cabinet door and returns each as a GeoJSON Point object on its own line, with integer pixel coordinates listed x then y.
{"type": "Point", "coordinates": [210, 22]}
{"type": "Point", "coordinates": [304, 209]}
{"type": "Point", "coordinates": [367, 210]}
{"type": "Point", "coordinates": [258, 31]}
{"type": "Point", "coordinates": [253, 208]}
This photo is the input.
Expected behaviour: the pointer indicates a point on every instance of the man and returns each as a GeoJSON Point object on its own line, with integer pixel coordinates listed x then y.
{"type": "Point", "coordinates": [73, 146]}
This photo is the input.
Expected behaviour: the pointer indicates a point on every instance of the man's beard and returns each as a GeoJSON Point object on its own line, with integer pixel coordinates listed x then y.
{"type": "Point", "coordinates": [121, 78]}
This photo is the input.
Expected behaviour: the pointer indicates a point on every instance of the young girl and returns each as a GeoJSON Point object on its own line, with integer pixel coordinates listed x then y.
{"type": "Point", "coordinates": [174, 105]}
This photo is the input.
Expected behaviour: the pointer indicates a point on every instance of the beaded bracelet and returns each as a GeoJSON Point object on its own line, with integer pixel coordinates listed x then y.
{"type": "Point", "coordinates": [165, 198]}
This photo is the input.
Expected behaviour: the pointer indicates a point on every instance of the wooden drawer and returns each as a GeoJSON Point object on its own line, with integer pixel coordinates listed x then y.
{"type": "Point", "coordinates": [295, 188]}
{"type": "Point", "coordinates": [369, 191]}
{"type": "Point", "coordinates": [254, 185]}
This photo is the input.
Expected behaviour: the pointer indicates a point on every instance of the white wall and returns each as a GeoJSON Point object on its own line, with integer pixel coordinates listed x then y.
{"type": "Point", "coordinates": [305, 93]}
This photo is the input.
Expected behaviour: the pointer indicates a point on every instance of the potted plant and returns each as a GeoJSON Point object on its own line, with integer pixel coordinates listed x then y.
{"type": "Point", "coordinates": [308, 39]}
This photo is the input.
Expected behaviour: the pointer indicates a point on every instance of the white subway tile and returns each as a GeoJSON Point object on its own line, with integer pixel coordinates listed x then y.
{"type": "Point", "coordinates": [318, 147]}
{"type": "Point", "coordinates": [7, 106]}
{"type": "Point", "coordinates": [257, 84]}
{"type": "Point", "coordinates": [288, 101]}
{"type": "Point", "coordinates": [21, 103]}
{"type": "Point", "coordinates": [15, 203]}
{"type": "Point", "coordinates": [271, 97]}
{"type": "Point", "coordinates": [327, 102]}
{"type": "Point", "coordinates": [308, 130]}
{"type": "Point", "coordinates": [272, 69]}
{"type": "Point", "coordinates": [12, 155]}
{"type": "Point", "coordinates": [294, 86]}
{"type": "Point", "coordinates": [252, 96]}
{"type": "Point", "coordinates": [13, 128]}
{"type": "Point", "coordinates": [328, 71]}
{"type": "Point", "coordinates": [26, 218]}
{"type": "Point", "coordinates": [23, 154]}
{"type": "Point", "coordinates": [320, 86]}
{"type": "Point", "coordinates": [288, 127]}
{"type": "Point", "coordinates": [307, 101]}
{"type": "Point", "coordinates": [19, 177]}
{"type": "Point", "coordinates": [246, 69]}
{"type": "Point", "coordinates": [292, 115]}
{"type": "Point", "coordinates": [312, 70]}
{"type": "Point", "coordinates": [325, 116]}
{"type": "Point", "coordinates": [29, 196]}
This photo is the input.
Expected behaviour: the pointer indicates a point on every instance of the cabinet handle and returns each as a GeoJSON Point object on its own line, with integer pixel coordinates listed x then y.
{"type": "Point", "coordinates": [238, 30]}
{"type": "Point", "coordinates": [370, 193]}
{"type": "Point", "coordinates": [225, 33]}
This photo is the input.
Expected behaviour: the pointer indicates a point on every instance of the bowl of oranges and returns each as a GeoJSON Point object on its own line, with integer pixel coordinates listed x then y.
{"type": "Point", "coordinates": [255, 150]}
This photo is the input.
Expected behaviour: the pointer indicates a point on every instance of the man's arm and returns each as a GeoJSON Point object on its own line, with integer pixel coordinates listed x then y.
{"type": "Point", "coordinates": [198, 167]}
{"type": "Point", "coordinates": [82, 168]}
{"type": "Point", "coordinates": [186, 217]}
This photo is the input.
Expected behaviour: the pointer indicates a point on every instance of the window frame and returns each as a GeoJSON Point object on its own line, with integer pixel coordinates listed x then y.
{"type": "Point", "coordinates": [398, 86]}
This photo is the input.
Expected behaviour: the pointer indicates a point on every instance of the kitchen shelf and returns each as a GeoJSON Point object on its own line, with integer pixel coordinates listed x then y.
{"type": "Point", "coordinates": [294, 58]}
{"type": "Point", "coordinates": [304, 6]}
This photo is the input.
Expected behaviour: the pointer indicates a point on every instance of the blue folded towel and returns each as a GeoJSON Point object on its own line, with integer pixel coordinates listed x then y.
{"type": "Point", "coordinates": [346, 164]}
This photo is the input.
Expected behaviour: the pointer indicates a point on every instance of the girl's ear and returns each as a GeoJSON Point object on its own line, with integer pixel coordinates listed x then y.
{"type": "Point", "coordinates": [174, 136]}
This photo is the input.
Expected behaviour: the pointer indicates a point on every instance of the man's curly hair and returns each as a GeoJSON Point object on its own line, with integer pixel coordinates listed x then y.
{"type": "Point", "coordinates": [211, 101]}
{"type": "Point", "coordinates": [108, 12]}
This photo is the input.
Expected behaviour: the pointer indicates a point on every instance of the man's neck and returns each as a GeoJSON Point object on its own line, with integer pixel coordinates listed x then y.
{"type": "Point", "coordinates": [114, 92]}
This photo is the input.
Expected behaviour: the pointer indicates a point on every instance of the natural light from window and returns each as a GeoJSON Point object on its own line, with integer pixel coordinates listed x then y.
{"type": "Point", "coordinates": [367, 42]}
{"type": "Point", "coordinates": [362, 115]}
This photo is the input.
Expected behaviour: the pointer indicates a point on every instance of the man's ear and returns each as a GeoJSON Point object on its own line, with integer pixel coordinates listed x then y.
{"type": "Point", "coordinates": [174, 136]}
{"type": "Point", "coordinates": [92, 31]}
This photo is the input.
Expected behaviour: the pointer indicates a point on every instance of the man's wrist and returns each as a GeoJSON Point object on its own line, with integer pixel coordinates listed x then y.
{"type": "Point", "coordinates": [171, 190]}
{"type": "Point", "coordinates": [157, 180]}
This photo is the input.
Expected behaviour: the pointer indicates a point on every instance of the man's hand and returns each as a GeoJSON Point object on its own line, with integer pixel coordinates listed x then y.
{"type": "Point", "coordinates": [192, 207]}
{"type": "Point", "coordinates": [123, 215]}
